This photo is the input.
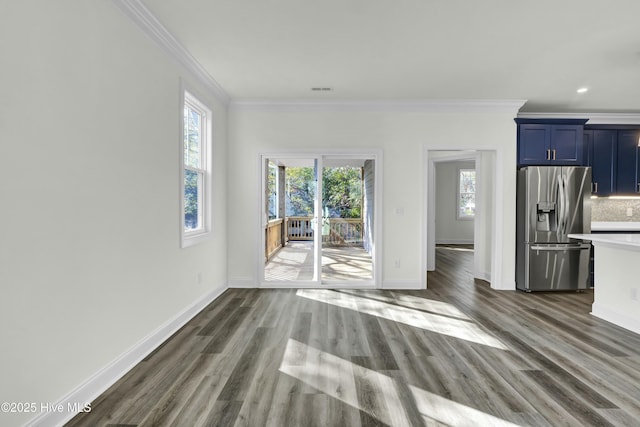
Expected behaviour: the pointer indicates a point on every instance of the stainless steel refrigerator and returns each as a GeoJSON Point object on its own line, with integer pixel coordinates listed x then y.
{"type": "Point", "coordinates": [552, 202]}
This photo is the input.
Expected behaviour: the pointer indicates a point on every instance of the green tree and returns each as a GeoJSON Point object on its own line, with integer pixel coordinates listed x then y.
{"type": "Point", "coordinates": [342, 192]}
{"type": "Point", "coordinates": [192, 121]}
{"type": "Point", "coordinates": [190, 199]}
{"type": "Point", "coordinates": [300, 191]}
{"type": "Point", "coordinates": [272, 191]}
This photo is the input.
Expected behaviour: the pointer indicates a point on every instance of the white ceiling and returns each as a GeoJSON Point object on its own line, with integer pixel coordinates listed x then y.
{"type": "Point", "coordinates": [542, 50]}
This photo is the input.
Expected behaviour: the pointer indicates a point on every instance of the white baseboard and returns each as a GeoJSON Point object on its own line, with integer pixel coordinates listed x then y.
{"type": "Point", "coordinates": [402, 284]}
{"type": "Point", "coordinates": [615, 317]}
{"type": "Point", "coordinates": [99, 382]}
{"type": "Point", "coordinates": [454, 242]}
{"type": "Point", "coordinates": [484, 275]}
{"type": "Point", "coordinates": [507, 286]}
{"type": "Point", "coordinates": [243, 282]}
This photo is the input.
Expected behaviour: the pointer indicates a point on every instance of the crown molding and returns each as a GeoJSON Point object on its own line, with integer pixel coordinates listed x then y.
{"type": "Point", "coordinates": [594, 118]}
{"type": "Point", "coordinates": [151, 26]}
{"type": "Point", "coordinates": [507, 106]}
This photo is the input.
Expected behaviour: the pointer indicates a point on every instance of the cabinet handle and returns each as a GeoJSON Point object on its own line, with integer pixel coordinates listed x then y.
{"type": "Point", "coordinates": [596, 184]}
{"type": "Point", "coordinates": [638, 188]}
{"type": "Point", "coordinates": [548, 154]}
{"type": "Point", "coordinates": [554, 154]}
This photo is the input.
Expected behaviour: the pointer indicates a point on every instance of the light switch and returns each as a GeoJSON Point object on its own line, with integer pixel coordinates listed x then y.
{"type": "Point", "coordinates": [629, 211]}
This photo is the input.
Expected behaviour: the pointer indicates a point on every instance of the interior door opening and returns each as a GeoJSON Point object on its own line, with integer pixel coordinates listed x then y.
{"type": "Point", "coordinates": [485, 207]}
{"type": "Point", "coordinates": [455, 209]}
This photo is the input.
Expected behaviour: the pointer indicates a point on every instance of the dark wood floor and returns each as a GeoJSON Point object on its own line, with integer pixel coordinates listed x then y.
{"type": "Point", "coordinates": [458, 353]}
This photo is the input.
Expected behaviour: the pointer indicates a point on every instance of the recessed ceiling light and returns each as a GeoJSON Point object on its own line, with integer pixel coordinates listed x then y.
{"type": "Point", "coordinates": [582, 90]}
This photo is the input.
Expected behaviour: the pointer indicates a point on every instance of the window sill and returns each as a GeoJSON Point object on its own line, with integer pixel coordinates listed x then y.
{"type": "Point", "coordinates": [194, 238]}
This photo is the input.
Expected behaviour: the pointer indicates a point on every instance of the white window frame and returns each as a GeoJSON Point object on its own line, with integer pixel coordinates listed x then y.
{"type": "Point", "coordinates": [459, 195]}
{"type": "Point", "coordinates": [192, 237]}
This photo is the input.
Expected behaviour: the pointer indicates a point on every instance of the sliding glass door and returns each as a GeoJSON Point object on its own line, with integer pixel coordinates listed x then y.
{"type": "Point", "coordinates": [347, 219]}
{"type": "Point", "coordinates": [290, 199]}
{"type": "Point", "coordinates": [318, 220]}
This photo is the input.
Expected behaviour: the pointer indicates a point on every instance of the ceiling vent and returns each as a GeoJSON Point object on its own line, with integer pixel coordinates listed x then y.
{"type": "Point", "coordinates": [322, 89]}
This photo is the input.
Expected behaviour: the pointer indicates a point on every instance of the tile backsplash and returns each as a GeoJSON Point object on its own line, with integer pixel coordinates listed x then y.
{"type": "Point", "coordinates": [615, 210]}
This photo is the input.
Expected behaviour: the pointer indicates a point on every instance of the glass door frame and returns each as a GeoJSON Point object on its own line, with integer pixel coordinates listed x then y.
{"type": "Point", "coordinates": [318, 158]}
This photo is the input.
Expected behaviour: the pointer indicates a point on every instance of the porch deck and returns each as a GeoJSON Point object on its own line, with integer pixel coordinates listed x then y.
{"type": "Point", "coordinates": [295, 262]}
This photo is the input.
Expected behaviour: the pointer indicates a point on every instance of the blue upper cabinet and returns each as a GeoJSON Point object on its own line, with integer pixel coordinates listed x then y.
{"type": "Point", "coordinates": [551, 142]}
{"type": "Point", "coordinates": [628, 167]}
{"type": "Point", "coordinates": [534, 142]}
{"type": "Point", "coordinates": [602, 157]}
{"type": "Point", "coordinates": [566, 144]}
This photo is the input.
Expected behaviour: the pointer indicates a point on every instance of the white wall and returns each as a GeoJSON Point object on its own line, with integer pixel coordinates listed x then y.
{"type": "Point", "coordinates": [403, 137]}
{"type": "Point", "coordinates": [89, 226]}
{"type": "Point", "coordinates": [450, 228]}
{"type": "Point", "coordinates": [484, 233]}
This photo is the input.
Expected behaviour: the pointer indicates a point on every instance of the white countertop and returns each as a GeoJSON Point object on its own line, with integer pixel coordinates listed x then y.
{"type": "Point", "coordinates": [629, 242]}
{"type": "Point", "coordinates": [615, 226]}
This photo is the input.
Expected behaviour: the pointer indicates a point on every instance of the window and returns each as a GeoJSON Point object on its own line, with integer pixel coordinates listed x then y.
{"type": "Point", "coordinates": [196, 173]}
{"type": "Point", "coordinates": [466, 193]}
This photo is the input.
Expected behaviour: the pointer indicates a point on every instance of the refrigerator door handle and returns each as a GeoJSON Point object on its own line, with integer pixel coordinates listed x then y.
{"type": "Point", "coordinates": [567, 213]}
{"type": "Point", "coordinates": [561, 205]}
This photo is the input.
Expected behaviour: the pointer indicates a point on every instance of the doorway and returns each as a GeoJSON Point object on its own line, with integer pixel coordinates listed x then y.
{"type": "Point", "coordinates": [319, 220]}
{"type": "Point", "coordinates": [455, 211]}
{"type": "Point", "coordinates": [488, 207]}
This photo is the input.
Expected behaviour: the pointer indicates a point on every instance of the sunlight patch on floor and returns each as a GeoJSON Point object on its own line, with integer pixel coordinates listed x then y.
{"type": "Point", "coordinates": [295, 261]}
{"type": "Point", "coordinates": [410, 301]}
{"type": "Point", "coordinates": [346, 263]}
{"type": "Point", "coordinates": [457, 328]}
{"type": "Point", "coordinates": [337, 378]}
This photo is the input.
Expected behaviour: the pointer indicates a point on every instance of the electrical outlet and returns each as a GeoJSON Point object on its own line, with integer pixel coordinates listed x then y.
{"type": "Point", "coordinates": [634, 294]}
{"type": "Point", "coordinates": [396, 263]}
{"type": "Point", "coordinates": [199, 278]}
{"type": "Point", "coordinates": [629, 211]}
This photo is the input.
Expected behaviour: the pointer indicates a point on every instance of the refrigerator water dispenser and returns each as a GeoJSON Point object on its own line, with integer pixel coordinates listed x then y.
{"type": "Point", "coordinates": [546, 220]}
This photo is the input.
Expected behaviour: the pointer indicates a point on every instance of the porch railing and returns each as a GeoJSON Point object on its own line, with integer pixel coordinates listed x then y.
{"type": "Point", "coordinates": [343, 231]}
{"type": "Point", "coordinates": [336, 231]}
{"type": "Point", "coordinates": [299, 228]}
{"type": "Point", "coordinates": [340, 231]}
{"type": "Point", "coordinates": [273, 237]}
